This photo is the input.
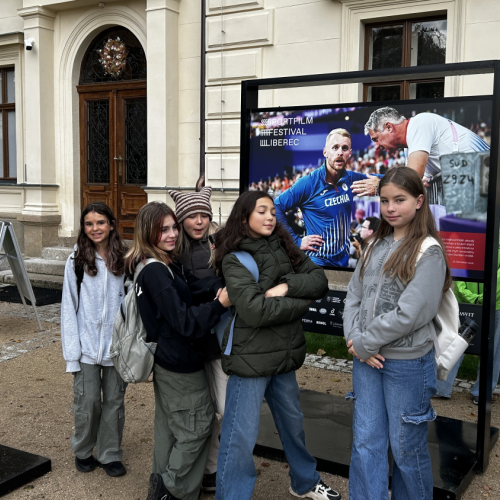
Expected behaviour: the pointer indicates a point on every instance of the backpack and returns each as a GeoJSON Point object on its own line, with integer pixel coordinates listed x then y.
{"type": "Point", "coordinates": [131, 354]}
{"type": "Point", "coordinates": [249, 262]}
{"type": "Point", "coordinates": [448, 345]}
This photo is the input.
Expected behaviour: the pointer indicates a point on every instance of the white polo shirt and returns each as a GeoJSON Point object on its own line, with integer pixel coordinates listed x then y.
{"type": "Point", "coordinates": [439, 136]}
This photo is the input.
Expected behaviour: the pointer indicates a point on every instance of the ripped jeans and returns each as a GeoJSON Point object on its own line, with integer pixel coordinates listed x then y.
{"type": "Point", "coordinates": [392, 408]}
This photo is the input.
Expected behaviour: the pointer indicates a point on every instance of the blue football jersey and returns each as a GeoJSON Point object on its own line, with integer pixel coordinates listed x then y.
{"type": "Point", "coordinates": [326, 210]}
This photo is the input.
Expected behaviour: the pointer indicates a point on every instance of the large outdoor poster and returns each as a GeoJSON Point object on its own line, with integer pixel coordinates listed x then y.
{"type": "Point", "coordinates": [319, 165]}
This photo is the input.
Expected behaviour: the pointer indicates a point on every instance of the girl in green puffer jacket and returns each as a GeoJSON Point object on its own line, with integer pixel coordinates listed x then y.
{"type": "Point", "coordinates": [268, 346]}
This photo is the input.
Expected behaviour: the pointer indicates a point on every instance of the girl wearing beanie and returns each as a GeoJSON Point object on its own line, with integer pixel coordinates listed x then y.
{"type": "Point", "coordinates": [194, 213]}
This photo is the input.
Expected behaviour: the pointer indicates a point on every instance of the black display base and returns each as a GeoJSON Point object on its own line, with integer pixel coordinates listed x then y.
{"type": "Point", "coordinates": [327, 424]}
{"type": "Point", "coordinates": [18, 468]}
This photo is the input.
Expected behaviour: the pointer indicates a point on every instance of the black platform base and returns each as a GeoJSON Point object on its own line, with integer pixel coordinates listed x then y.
{"type": "Point", "coordinates": [18, 468]}
{"type": "Point", "coordinates": [327, 423]}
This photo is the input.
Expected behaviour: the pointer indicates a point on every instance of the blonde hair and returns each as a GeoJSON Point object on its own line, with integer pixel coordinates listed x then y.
{"type": "Point", "coordinates": [147, 232]}
{"type": "Point", "coordinates": [338, 131]}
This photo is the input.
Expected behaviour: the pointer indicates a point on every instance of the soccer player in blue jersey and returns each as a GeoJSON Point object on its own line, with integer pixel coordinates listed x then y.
{"type": "Point", "coordinates": [325, 199]}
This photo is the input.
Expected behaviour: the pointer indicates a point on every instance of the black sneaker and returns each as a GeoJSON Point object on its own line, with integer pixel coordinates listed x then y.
{"type": "Point", "coordinates": [475, 400]}
{"type": "Point", "coordinates": [114, 469]}
{"type": "Point", "coordinates": [208, 483]}
{"type": "Point", "coordinates": [157, 490]}
{"type": "Point", "coordinates": [85, 464]}
{"type": "Point", "coordinates": [320, 492]}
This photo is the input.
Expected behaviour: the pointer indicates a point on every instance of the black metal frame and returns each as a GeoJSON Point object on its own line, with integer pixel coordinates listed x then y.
{"type": "Point", "coordinates": [249, 101]}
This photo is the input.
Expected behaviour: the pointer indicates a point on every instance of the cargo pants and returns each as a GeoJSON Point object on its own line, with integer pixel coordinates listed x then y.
{"type": "Point", "coordinates": [184, 416]}
{"type": "Point", "coordinates": [99, 420]}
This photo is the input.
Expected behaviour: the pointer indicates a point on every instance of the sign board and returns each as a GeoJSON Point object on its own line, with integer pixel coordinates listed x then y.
{"type": "Point", "coordinates": [13, 254]}
{"type": "Point", "coordinates": [325, 316]}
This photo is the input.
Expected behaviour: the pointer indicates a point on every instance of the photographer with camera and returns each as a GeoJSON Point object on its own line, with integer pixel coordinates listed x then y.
{"type": "Point", "coordinates": [365, 235]}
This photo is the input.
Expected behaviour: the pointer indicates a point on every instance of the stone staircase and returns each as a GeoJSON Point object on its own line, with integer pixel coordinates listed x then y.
{"type": "Point", "coordinates": [46, 271]}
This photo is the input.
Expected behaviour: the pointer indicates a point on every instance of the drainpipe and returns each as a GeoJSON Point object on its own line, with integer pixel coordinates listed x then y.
{"type": "Point", "coordinates": [201, 181]}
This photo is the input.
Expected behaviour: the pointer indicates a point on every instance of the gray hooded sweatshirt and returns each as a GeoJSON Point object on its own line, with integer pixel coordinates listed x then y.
{"type": "Point", "coordinates": [383, 315]}
{"type": "Point", "coordinates": [86, 335]}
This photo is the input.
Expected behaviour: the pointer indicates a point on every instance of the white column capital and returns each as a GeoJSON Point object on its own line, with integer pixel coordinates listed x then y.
{"type": "Point", "coordinates": [37, 17]}
{"type": "Point", "coordinates": [172, 5]}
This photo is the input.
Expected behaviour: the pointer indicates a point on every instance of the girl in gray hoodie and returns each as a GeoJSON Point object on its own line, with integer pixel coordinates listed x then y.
{"type": "Point", "coordinates": [92, 294]}
{"type": "Point", "coordinates": [388, 324]}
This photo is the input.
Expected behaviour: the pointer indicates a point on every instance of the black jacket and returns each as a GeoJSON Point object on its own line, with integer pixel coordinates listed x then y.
{"type": "Point", "coordinates": [196, 261]}
{"type": "Point", "coordinates": [166, 306]}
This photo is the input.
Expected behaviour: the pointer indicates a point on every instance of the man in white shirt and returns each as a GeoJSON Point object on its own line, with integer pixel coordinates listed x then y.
{"type": "Point", "coordinates": [426, 136]}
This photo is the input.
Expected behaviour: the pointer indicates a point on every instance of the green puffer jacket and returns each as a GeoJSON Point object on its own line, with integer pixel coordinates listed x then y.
{"type": "Point", "coordinates": [268, 337]}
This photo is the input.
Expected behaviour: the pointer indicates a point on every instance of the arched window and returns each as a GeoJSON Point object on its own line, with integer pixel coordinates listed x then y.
{"type": "Point", "coordinates": [114, 55]}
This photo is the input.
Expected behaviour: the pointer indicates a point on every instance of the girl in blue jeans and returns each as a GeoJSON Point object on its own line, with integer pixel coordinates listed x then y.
{"type": "Point", "coordinates": [267, 346]}
{"type": "Point", "coordinates": [388, 324]}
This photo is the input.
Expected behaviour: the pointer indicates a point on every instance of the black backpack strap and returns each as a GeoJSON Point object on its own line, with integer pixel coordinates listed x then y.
{"type": "Point", "coordinates": [79, 272]}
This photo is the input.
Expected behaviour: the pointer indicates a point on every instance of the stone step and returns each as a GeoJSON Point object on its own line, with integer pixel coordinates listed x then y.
{"type": "Point", "coordinates": [41, 280]}
{"type": "Point", "coordinates": [56, 253]}
{"type": "Point", "coordinates": [45, 266]}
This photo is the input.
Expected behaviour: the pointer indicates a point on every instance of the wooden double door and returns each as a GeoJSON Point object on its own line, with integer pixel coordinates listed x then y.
{"type": "Point", "coordinates": [113, 149]}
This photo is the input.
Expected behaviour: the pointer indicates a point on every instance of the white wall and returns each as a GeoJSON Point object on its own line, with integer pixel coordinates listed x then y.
{"type": "Point", "coordinates": [275, 38]}
{"type": "Point", "coordinates": [9, 20]}
{"type": "Point", "coordinates": [263, 38]}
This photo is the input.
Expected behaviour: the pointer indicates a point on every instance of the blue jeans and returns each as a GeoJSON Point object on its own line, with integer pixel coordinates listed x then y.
{"type": "Point", "coordinates": [236, 472]}
{"type": "Point", "coordinates": [444, 386]}
{"type": "Point", "coordinates": [392, 407]}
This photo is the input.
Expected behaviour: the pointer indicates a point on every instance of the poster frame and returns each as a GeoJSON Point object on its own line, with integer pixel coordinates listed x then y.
{"type": "Point", "coordinates": [245, 171]}
{"type": "Point", "coordinates": [249, 102]}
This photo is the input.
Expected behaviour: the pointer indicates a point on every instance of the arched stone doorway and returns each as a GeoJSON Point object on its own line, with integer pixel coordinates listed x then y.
{"type": "Point", "coordinates": [113, 125]}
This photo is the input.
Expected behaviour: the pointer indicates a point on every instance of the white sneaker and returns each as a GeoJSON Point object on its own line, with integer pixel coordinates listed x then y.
{"type": "Point", "coordinates": [320, 492]}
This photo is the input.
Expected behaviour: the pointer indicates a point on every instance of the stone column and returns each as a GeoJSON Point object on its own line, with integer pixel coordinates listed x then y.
{"type": "Point", "coordinates": [40, 214]}
{"type": "Point", "coordinates": [163, 96]}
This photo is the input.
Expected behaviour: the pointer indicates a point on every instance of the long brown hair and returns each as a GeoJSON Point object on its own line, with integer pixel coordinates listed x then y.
{"type": "Point", "coordinates": [403, 261]}
{"type": "Point", "coordinates": [147, 233]}
{"type": "Point", "coordinates": [86, 249]}
{"type": "Point", "coordinates": [235, 230]}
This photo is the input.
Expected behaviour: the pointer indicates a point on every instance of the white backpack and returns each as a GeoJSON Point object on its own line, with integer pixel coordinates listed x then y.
{"type": "Point", "coordinates": [448, 345]}
{"type": "Point", "coordinates": [131, 355]}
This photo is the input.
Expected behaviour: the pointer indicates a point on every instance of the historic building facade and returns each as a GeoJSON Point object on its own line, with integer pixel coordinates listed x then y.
{"type": "Point", "coordinates": [78, 124]}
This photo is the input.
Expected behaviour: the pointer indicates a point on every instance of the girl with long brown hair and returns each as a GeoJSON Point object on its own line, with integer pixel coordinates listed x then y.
{"type": "Point", "coordinates": [392, 300]}
{"type": "Point", "coordinates": [166, 294]}
{"type": "Point", "coordinates": [92, 294]}
{"type": "Point", "coordinates": [266, 346]}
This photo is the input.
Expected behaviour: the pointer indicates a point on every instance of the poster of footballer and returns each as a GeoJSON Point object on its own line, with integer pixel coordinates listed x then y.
{"type": "Point", "coordinates": [321, 165]}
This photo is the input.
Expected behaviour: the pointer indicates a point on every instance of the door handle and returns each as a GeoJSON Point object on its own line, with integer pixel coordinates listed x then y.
{"type": "Point", "coordinates": [120, 159]}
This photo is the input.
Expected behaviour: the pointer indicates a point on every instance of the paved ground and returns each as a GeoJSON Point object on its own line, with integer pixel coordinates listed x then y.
{"type": "Point", "coordinates": [35, 416]}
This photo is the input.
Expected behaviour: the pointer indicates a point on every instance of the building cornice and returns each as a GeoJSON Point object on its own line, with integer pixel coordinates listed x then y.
{"type": "Point", "coordinates": [16, 38]}
{"type": "Point", "coordinates": [368, 4]}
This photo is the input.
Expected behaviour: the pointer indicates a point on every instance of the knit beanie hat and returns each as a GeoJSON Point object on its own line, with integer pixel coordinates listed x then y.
{"type": "Point", "coordinates": [187, 204]}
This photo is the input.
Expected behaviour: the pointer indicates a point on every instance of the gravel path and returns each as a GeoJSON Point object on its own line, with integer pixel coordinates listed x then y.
{"type": "Point", "coordinates": [36, 400]}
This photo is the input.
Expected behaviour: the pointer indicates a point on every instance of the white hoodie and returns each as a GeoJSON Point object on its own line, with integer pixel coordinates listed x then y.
{"type": "Point", "coordinates": [86, 335]}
